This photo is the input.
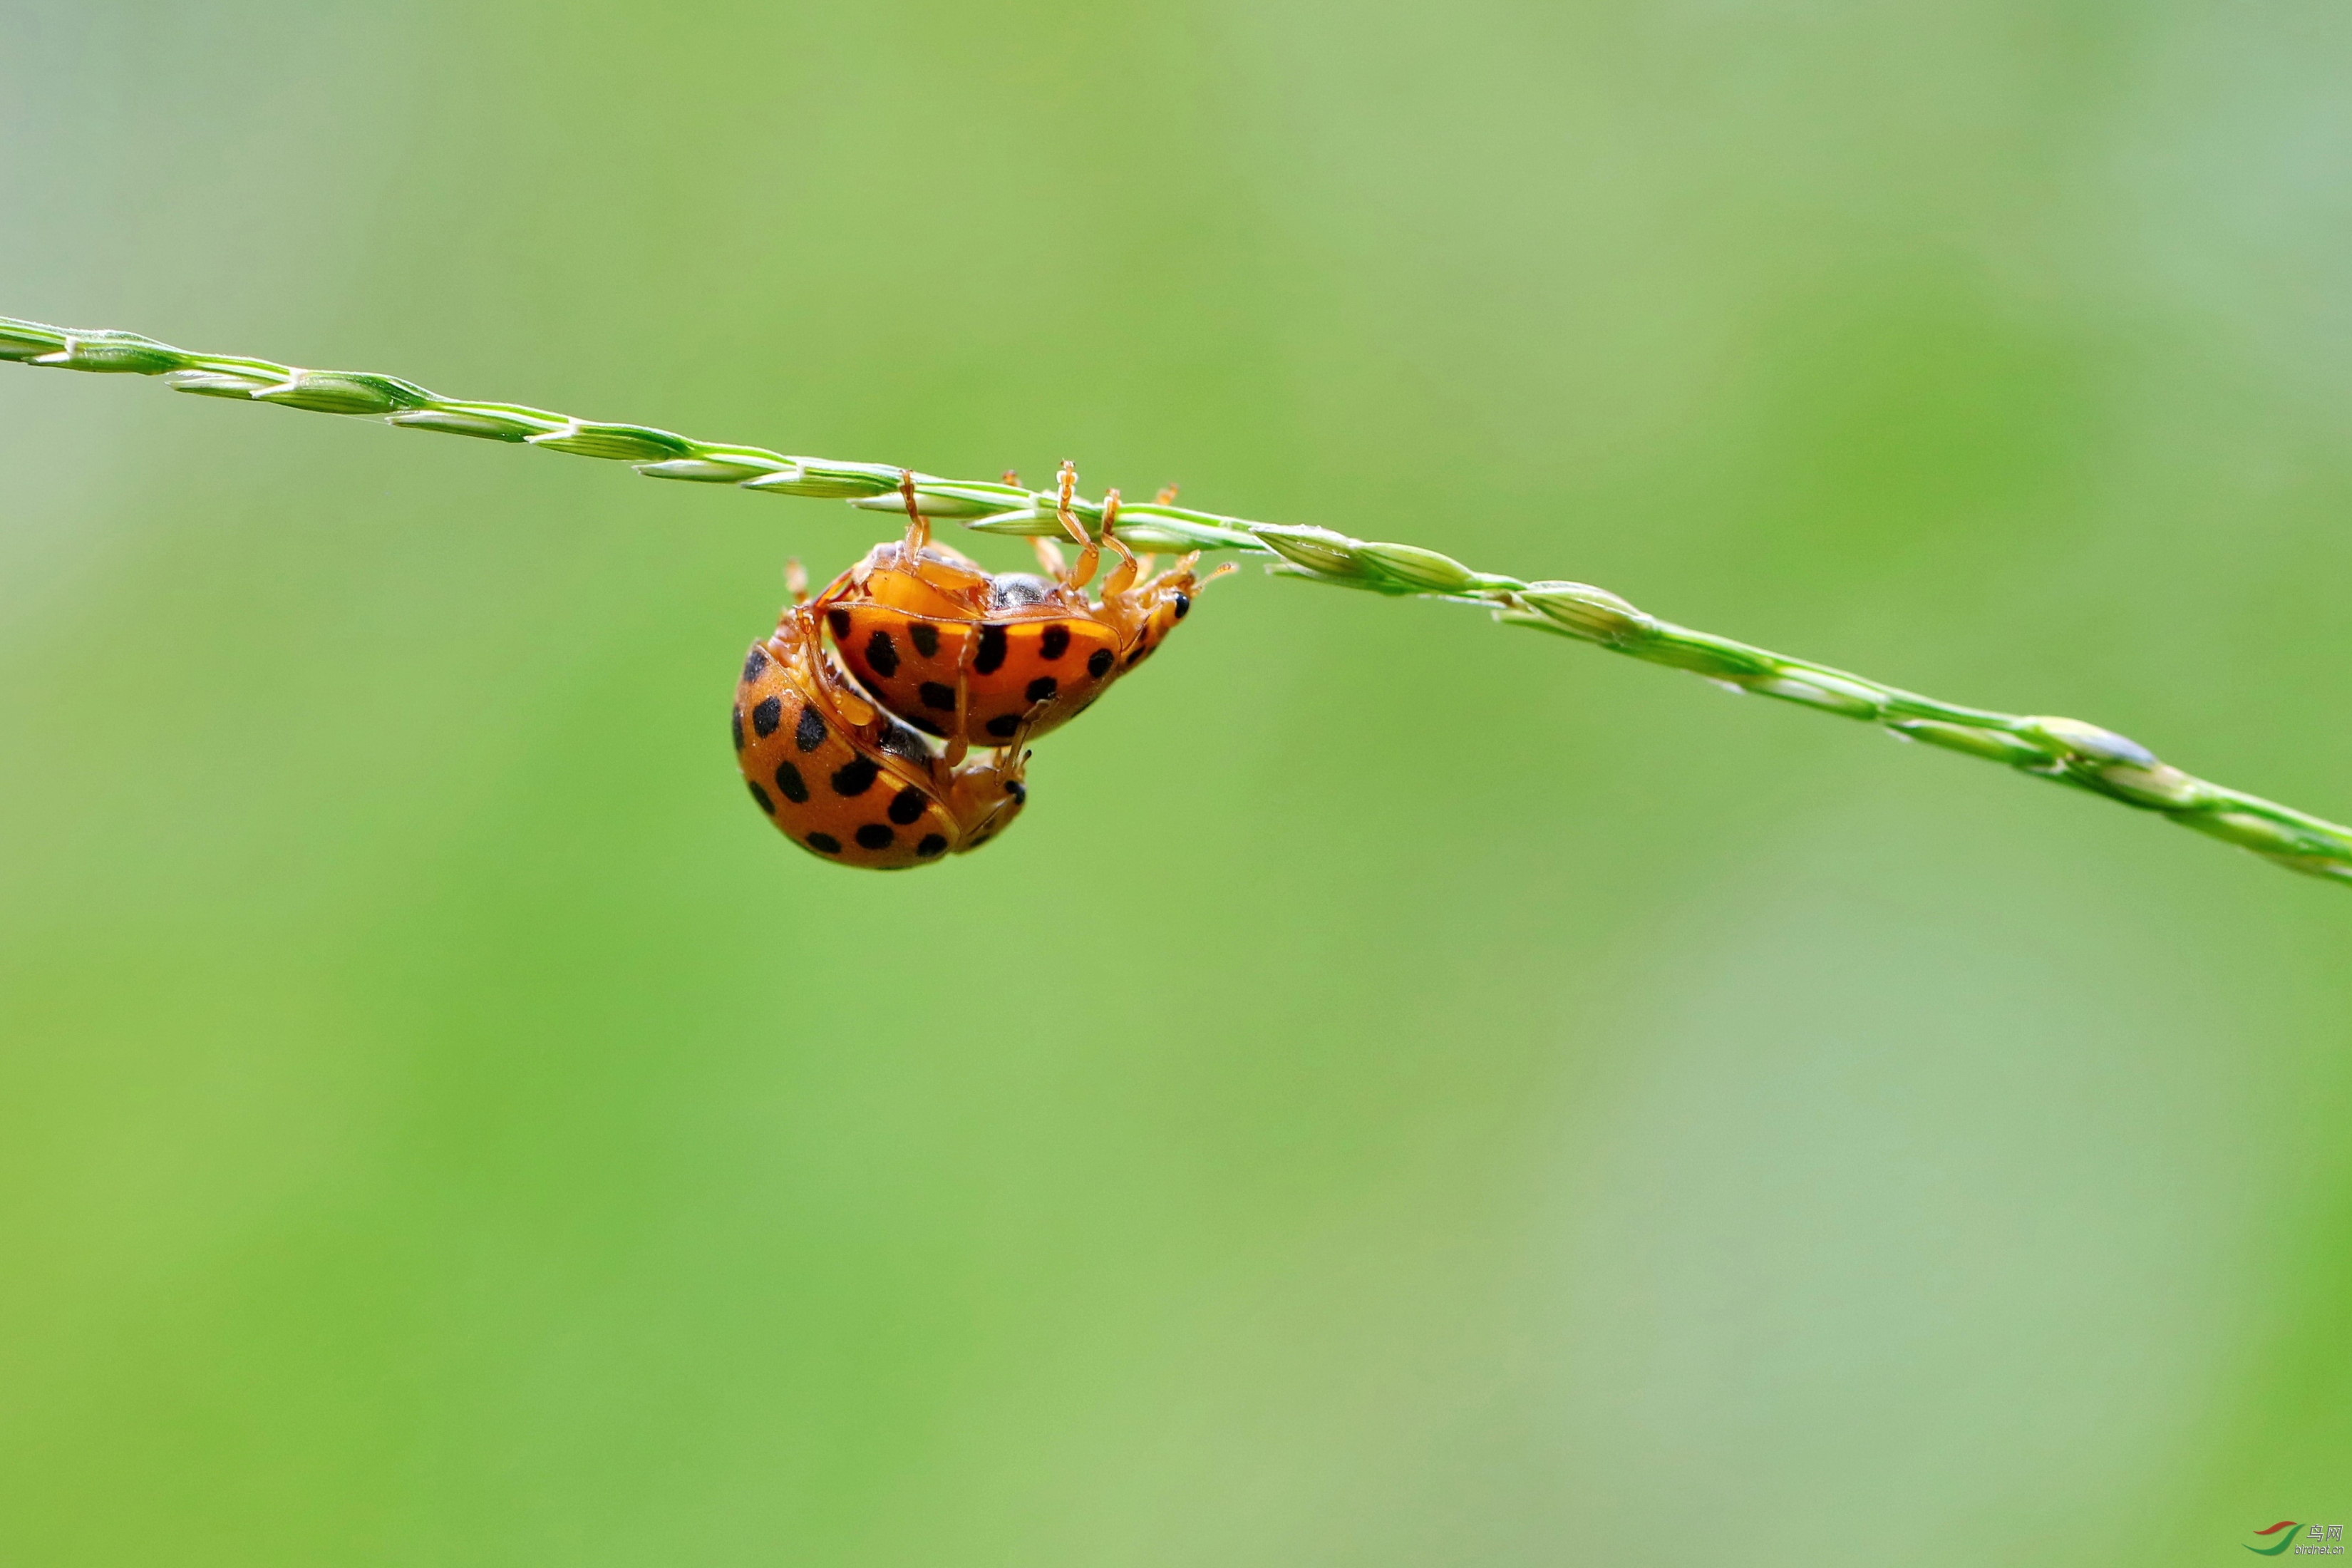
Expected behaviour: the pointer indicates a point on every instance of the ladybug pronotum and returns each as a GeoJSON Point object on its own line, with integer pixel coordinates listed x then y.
{"type": "Point", "coordinates": [845, 781]}
{"type": "Point", "coordinates": [977, 658]}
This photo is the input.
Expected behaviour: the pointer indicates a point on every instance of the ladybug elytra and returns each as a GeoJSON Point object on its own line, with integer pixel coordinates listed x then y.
{"type": "Point", "coordinates": [975, 657]}
{"type": "Point", "coordinates": [845, 781]}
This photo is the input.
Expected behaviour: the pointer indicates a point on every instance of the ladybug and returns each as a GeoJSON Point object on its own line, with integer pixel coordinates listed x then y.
{"type": "Point", "coordinates": [845, 781]}
{"type": "Point", "coordinates": [979, 657]}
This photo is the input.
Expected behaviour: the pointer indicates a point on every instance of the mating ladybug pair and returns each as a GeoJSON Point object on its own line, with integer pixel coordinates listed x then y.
{"type": "Point", "coordinates": [937, 645]}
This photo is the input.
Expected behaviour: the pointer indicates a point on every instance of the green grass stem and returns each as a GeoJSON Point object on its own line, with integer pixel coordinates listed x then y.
{"type": "Point", "coordinates": [2065, 751]}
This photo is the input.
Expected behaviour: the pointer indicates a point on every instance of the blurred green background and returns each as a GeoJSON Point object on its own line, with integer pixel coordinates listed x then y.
{"type": "Point", "coordinates": [1411, 1091]}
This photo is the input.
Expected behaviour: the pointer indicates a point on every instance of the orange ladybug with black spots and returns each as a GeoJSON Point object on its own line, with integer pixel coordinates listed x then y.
{"type": "Point", "coordinates": [979, 657]}
{"type": "Point", "coordinates": [845, 781]}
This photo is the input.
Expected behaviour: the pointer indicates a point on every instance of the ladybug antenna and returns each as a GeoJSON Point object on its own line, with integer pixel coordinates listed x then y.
{"type": "Point", "coordinates": [1184, 569]}
{"type": "Point", "coordinates": [1049, 556]}
{"type": "Point", "coordinates": [919, 527]}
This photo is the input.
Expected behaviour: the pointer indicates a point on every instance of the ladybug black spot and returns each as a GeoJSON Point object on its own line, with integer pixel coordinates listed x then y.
{"type": "Point", "coordinates": [992, 650]}
{"type": "Point", "coordinates": [755, 662]}
{"type": "Point", "coordinates": [1098, 663]}
{"type": "Point", "coordinates": [882, 655]}
{"type": "Point", "coordinates": [839, 621]}
{"type": "Point", "coordinates": [768, 715]}
{"type": "Point", "coordinates": [907, 805]}
{"type": "Point", "coordinates": [928, 726]}
{"type": "Point", "coordinates": [856, 778]}
{"type": "Point", "coordinates": [901, 741]}
{"type": "Point", "coordinates": [760, 796]}
{"type": "Point", "coordinates": [1042, 689]}
{"type": "Point", "coordinates": [1018, 791]}
{"type": "Point", "coordinates": [1183, 605]}
{"type": "Point", "coordinates": [736, 723]}
{"type": "Point", "coordinates": [789, 780]}
{"type": "Point", "coordinates": [874, 835]}
{"type": "Point", "coordinates": [810, 732]}
{"type": "Point", "coordinates": [924, 636]}
{"type": "Point", "coordinates": [1004, 726]}
{"type": "Point", "coordinates": [1053, 644]}
{"type": "Point", "coordinates": [823, 843]}
{"type": "Point", "coordinates": [935, 695]}
{"type": "Point", "coordinates": [932, 845]}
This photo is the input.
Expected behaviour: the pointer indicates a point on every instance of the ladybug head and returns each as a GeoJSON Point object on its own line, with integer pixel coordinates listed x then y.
{"type": "Point", "coordinates": [991, 796]}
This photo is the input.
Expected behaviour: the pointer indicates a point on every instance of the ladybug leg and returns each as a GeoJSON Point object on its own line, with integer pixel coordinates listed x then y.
{"type": "Point", "coordinates": [797, 580]}
{"type": "Point", "coordinates": [1180, 574]}
{"type": "Point", "coordinates": [919, 527]}
{"type": "Point", "coordinates": [1123, 575]}
{"type": "Point", "coordinates": [1089, 551]}
{"type": "Point", "coordinates": [1016, 745]}
{"type": "Point", "coordinates": [1179, 582]}
{"type": "Point", "coordinates": [1050, 558]}
{"type": "Point", "coordinates": [828, 686]}
{"type": "Point", "coordinates": [956, 744]}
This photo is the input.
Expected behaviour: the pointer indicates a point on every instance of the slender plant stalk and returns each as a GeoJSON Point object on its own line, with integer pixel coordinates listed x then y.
{"type": "Point", "coordinates": [2066, 751]}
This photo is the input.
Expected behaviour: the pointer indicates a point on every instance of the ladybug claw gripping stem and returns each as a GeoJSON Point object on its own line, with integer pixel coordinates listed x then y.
{"type": "Point", "coordinates": [919, 527]}
{"type": "Point", "coordinates": [1123, 576]}
{"type": "Point", "coordinates": [1089, 553]}
{"type": "Point", "coordinates": [1065, 491]}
